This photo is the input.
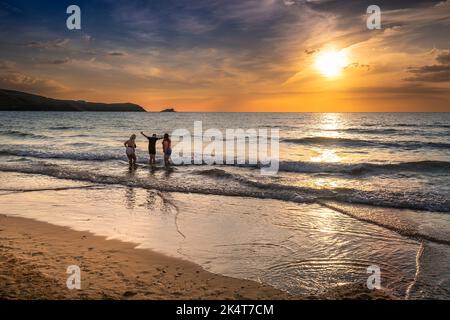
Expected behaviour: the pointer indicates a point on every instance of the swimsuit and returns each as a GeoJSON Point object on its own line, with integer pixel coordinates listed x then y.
{"type": "Point", "coordinates": [168, 151]}
{"type": "Point", "coordinates": [130, 151]}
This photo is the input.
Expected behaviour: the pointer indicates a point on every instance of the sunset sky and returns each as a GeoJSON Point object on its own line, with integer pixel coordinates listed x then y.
{"type": "Point", "coordinates": [231, 55]}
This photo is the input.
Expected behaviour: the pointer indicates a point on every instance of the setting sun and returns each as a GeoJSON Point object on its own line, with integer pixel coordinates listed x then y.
{"type": "Point", "coordinates": [331, 63]}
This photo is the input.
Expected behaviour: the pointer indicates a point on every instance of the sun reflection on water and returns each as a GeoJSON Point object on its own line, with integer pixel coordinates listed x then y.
{"type": "Point", "coordinates": [327, 155]}
{"type": "Point", "coordinates": [329, 126]}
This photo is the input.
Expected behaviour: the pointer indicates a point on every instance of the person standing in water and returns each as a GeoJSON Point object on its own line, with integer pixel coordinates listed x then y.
{"type": "Point", "coordinates": [130, 146]}
{"type": "Point", "coordinates": [167, 149]}
{"type": "Point", "coordinates": [151, 147]}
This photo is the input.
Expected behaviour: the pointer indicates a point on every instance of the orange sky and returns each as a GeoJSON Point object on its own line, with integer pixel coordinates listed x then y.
{"type": "Point", "coordinates": [258, 56]}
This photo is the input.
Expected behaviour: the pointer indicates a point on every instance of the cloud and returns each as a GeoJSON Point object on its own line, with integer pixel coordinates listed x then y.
{"type": "Point", "coordinates": [434, 73]}
{"type": "Point", "coordinates": [56, 61]}
{"type": "Point", "coordinates": [401, 90]}
{"type": "Point", "coordinates": [211, 48]}
{"type": "Point", "coordinates": [444, 57]}
{"type": "Point", "coordinates": [116, 54]}
{"type": "Point", "coordinates": [311, 51]}
{"type": "Point", "coordinates": [7, 65]}
{"type": "Point", "coordinates": [192, 24]}
{"type": "Point", "coordinates": [357, 65]}
{"type": "Point", "coordinates": [23, 82]}
{"type": "Point", "coordinates": [52, 44]}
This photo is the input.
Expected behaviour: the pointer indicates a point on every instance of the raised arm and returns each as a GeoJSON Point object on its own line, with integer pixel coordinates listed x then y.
{"type": "Point", "coordinates": [144, 134]}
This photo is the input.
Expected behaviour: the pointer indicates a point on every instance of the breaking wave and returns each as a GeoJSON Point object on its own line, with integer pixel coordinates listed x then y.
{"type": "Point", "coordinates": [352, 143]}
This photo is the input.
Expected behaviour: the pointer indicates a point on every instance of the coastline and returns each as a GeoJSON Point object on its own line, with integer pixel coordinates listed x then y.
{"type": "Point", "coordinates": [142, 244]}
{"type": "Point", "coordinates": [34, 257]}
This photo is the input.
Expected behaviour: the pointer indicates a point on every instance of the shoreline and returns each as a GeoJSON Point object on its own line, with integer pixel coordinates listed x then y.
{"type": "Point", "coordinates": [130, 247]}
{"type": "Point", "coordinates": [34, 257]}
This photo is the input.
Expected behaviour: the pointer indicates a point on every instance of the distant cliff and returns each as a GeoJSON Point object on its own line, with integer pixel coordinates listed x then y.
{"type": "Point", "coordinates": [20, 101]}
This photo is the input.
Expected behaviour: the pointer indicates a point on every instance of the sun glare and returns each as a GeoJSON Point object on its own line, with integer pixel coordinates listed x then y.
{"type": "Point", "coordinates": [331, 63]}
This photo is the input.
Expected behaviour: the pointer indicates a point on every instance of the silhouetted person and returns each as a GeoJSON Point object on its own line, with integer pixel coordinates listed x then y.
{"type": "Point", "coordinates": [167, 149]}
{"type": "Point", "coordinates": [131, 150]}
{"type": "Point", "coordinates": [152, 147]}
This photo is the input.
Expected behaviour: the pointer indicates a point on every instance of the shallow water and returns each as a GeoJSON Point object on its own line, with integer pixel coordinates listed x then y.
{"type": "Point", "coordinates": [352, 189]}
{"type": "Point", "coordinates": [300, 248]}
{"type": "Point", "coordinates": [383, 159]}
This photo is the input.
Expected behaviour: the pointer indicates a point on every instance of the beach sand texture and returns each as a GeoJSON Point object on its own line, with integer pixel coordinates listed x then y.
{"type": "Point", "coordinates": [34, 254]}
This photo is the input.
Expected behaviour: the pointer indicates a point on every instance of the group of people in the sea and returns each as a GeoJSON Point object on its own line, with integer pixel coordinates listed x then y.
{"type": "Point", "coordinates": [130, 146]}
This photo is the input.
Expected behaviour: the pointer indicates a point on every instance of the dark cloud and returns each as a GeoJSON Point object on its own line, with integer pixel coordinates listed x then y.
{"type": "Point", "coordinates": [444, 58]}
{"type": "Point", "coordinates": [55, 61]}
{"type": "Point", "coordinates": [436, 73]}
{"type": "Point", "coordinates": [116, 54]}
{"type": "Point", "coordinates": [357, 65]}
{"type": "Point", "coordinates": [311, 51]}
{"type": "Point", "coordinates": [52, 44]}
{"type": "Point", "coordinates": [215, 43]}
{"type": "Point", "coordinates": [433, 73]}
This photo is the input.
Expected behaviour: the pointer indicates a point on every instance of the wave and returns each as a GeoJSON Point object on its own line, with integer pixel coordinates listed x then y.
{"type": "Point", "coordinates": [369, 130]}
{"type": "Point", "coordinates": [63, 128]}
{"type": "Point", "coordinates": [216, 173]}
{"type": "Point", "coordinates": [284, 166]}
{"type": "Point", "coordinates": [81, 156]}
{"type": "Point", "coordinates": [383, 131]}
{"type": "Point", "coordinates": [402, 200]}
{"type": "Point", "coordinates": [246, 187]}
{"type": "Point", "coordinates": [342, 200]}
{"type": "Point", "coordinates": [81, 144]}
{"type": "Point", "coordinates": [347, 142]}
{"type": "Point", "coordinates": [364, 168]}
{"type": "Point", "coordinates": [374, 131]}
{"type": "Point", "coordinates": [437, 125]}
{"type": "Point", "coordinates": [21, 134]}
{"type": "Point", "coordinates": [407, 125]}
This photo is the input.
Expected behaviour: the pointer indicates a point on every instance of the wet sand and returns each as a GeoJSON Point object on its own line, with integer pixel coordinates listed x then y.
{"type": "Point", "coordinates": [34, 257]}
{"type": "Point", "coordinates": [140, 244]}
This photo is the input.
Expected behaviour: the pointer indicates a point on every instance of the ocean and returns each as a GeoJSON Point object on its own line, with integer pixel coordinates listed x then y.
{"type": "Point", "coordinates": [353, 190]}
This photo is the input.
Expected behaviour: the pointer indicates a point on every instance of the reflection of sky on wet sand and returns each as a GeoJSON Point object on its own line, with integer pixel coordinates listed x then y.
{"type": "Point", "coordinates": [300, 248]}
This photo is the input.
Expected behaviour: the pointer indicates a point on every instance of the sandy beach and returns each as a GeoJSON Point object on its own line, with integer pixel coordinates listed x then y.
{"type": "Point", "coordinates": [118, 262]}
{"type": "Point", "coordinates": [34, 257]}
{"type": "Point", "coordinates": [225, 150]}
